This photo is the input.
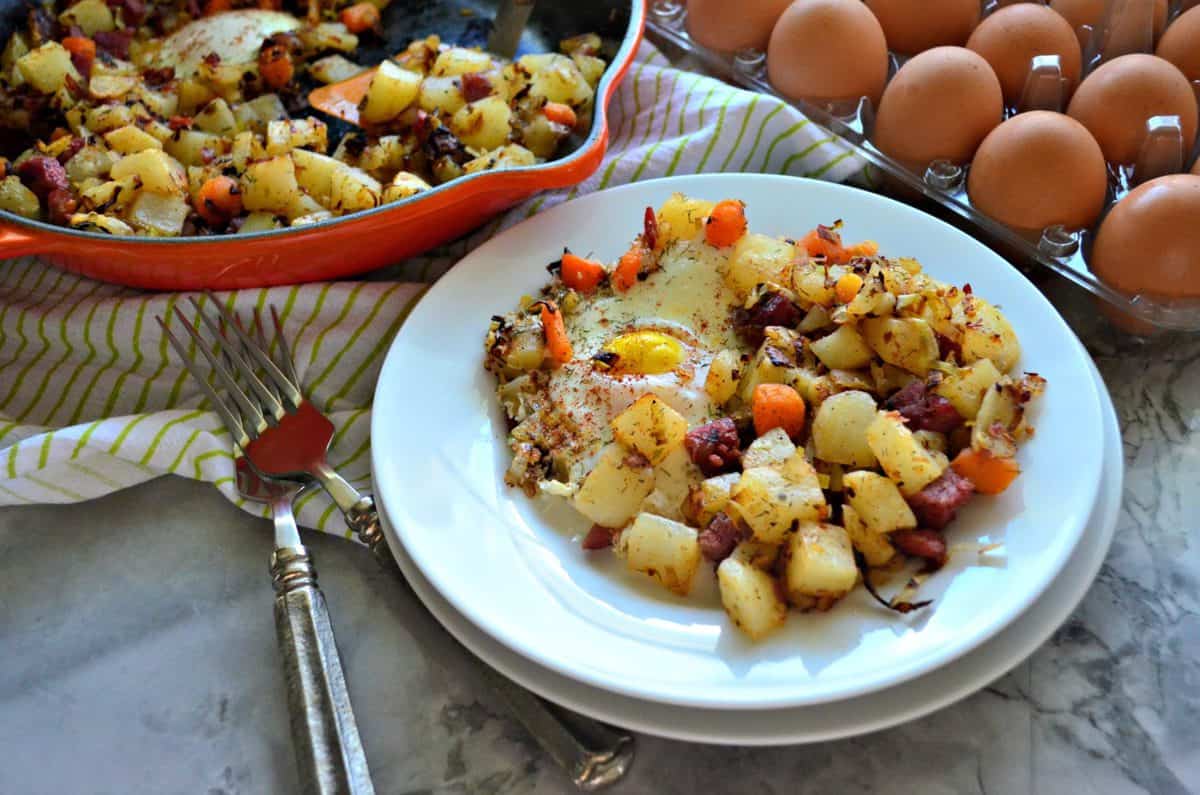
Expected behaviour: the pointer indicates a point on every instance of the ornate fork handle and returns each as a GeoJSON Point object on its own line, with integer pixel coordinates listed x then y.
{"type": "Point", "coordinates": [324, 732]}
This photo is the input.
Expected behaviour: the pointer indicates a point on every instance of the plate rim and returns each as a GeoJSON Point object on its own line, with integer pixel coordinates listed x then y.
{"type": "Point", "coordinates": [1007, 654]}
{"type": "Point", "coordinates": [951, 651]}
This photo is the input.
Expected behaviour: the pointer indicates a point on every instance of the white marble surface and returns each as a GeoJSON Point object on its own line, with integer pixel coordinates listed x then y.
{"type": "Point", "coordinates": [139, 657]}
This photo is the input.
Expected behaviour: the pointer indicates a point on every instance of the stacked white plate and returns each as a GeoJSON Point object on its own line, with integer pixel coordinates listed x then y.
{"type": "Point", "coordinates": [506, 574]}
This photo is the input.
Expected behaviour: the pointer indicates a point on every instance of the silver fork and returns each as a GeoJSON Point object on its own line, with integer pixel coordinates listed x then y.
{"type": "Point", "coordinates": [289, 439]}
{"type": "Point", "coordinates": [325, 735]}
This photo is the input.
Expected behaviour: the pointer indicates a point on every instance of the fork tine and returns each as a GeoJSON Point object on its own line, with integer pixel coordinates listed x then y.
{"type": "Point", "coordinates": [256, 422]}
{"type": "Point", "coordinates": [285, 351]}
{"type": "Point", "coordinates": [232, 422]}
{"type": "Point", "coordinates": [270, 400]}
{"type": "Point", "coordinates": [290, 391]}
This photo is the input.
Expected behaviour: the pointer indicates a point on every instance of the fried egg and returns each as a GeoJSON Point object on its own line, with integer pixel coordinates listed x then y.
{"type": "Point", "coordinates": [659, 337]}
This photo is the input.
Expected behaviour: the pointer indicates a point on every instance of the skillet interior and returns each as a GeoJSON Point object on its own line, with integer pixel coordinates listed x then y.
{"type": "Point", "coordinates": [466, 22]}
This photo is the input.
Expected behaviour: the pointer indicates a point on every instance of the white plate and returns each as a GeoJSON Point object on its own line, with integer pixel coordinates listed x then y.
{"type": "Point", "coordinates": [861, 715]}
{"type": "Point", "coordinates": [515, 568]}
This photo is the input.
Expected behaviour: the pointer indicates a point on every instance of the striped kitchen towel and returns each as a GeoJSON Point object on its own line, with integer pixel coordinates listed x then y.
{"type": "Point", "coordinates": [92, 399]}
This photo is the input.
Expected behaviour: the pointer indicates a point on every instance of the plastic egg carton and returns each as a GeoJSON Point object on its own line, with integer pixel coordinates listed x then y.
{"type": "Point", "coordinates": [1061, 250]}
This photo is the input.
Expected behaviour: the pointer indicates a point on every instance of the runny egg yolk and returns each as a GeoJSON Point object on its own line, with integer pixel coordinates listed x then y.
{"type": "Point", "coordinates": [646, 352]}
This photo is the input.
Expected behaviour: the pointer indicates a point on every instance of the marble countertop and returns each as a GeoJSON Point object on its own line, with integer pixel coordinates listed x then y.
{"type": "Point", "coordinates": [139, 654]}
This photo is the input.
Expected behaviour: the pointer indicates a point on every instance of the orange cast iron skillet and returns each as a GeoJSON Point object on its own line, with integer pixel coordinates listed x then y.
{"type": "Point", "coordinates": [366, 240]}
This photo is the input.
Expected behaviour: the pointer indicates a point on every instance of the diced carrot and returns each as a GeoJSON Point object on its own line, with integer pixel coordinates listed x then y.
{"type": "Point", "coordinates": [847, 287]}
{"type": "Point", "coordinates": [991, 474]}
{"type": "Point", "coordinates": [555, 330]}
{"type": "Point", "coordinates": [726, 223]}
{"type": "Point", "coordinates": [626, 273]}
{"type": "Point", "coordinates": [59, 132]}
{"type": "Point", "coordinates": [581, 274]}
{"type": "Point", "coordinates": [825, 242]}
{"type": "Point", "coordinates": [218, 200]}
{"type": "Point", "coordinates": [560, 114]}
{"type": "Point", "coordinates": [275, 64]}
{"type": "Point", "coordinates": [360, 17]}
{"type": "Point", "coordinates": [83, 52]}
{"type": "Point", "coordinates": [778, 406]}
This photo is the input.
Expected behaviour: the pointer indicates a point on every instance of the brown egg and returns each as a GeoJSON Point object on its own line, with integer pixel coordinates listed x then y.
{"type": "Point", "coordinates": [1009, 38]}
{"type": "Point", "coordinates": [1181, 44]}
{"type": "Point", "coordinates": [912, 26]}
{"type": "Point", "coordinates": [1196, 168]}
{"type": "Point", "coordinates": [1039, 169]}
{"type": "Point", "coordinates": [1150, 242]}
{"type": "Point", "coordinates": [1115, 101]}
{"type": "Point", "coordinates": [828, 50]}
{"type": "Point", "coordinates": [1089, 12]}
{"type": "Point", "coordinates": [726, 27]}
{"type": "Point", "coordinates": [940, 104]}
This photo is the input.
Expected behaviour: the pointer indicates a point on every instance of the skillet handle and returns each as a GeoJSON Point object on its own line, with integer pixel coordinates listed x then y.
{"type": "Point", "coordinates": [17, 243]}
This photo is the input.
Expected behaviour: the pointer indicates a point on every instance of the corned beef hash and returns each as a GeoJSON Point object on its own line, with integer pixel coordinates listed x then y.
{"type": "Point", "coordinates": [801, 413]}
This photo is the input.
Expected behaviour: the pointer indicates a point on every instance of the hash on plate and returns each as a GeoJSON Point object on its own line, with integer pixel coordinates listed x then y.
{"type": "Point", "coordinates": [800, 413]}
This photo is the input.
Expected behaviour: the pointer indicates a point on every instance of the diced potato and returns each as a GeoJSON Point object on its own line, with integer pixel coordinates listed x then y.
{"type": "Point", "coordinates": [304, 206]}
{"type": "Point", "coordinates": [246, 147]}
{"type": "Point", "coordinates": [334, 69]}
{"type": "Point", "coordinates": [158, 171]}
{"type": "Point", "coordinates": [682, 218]}
{"type": "Point", "coordinates": [650, 427]}
{"type": "Point", "coordinates": [130, 140]}
{"type": "Point", "coordinates": [158, 214]}
{"type": "Point", "coordinates": [843, 349]}
{"type": "Point", "coordinates": [543, 136]}
{"type": "Point", "coordinates": [813, 283]}
{"type": "Point", "coordinates": [902, 457]}
{"type": "Point", "coordinates": [873, 300]}
{"type": "Point", "coordinates": [591, 67]}
{"type": "Point", "coordinates": [284, 135]}
{"type": "Point", "coordinates": [771, 499]}
{"type": "Point", "coordinates": [259, 222]}
{"type": "Point", "coordinates": [905, 342]}
{"type": "Point", "coordinates": [757, 554]}
{"type": "Point", "coordinates": [216, 118]}
{"type": "Point", "coordinates": [312, 218]}
{"type": "Point", "coordinates": [47, 68]}
{"type": "Point", "coordinates": [758, 259]}
{"type": "Point", "coordinates": [269, 184]}
{"type": "Point", "coordinates": [773, 447]}
{"type": "Point", "coordinates": [256, 114]}
{"type": "Point", "coordinates": [164, 104]}
{"type": "Point", "coordinates": [877, 502]}
{"type": "Point", "coordinates": [353, 189]}
{"type": "Point", "coordinates": [403, 185]}
{"type": "Point", "coordinates": [556, 78]}
{"type": "Point", "coordinates": [772, 364]}
{"type": "Point", "coordinates": [673, 479]}
{"type": "Point", "coordinates": [108, 117]}
{"type": "Point", "coordinates": [508, 156]}
{"type": "Point", "coordinates": [90, 162]}
{"type": "Point", "coordinates": [839, 429]}
{"type": "Point", "coordinates": [820, 565]}
{"type": "Point", "coordinates": [710, 497]}
{"type": "Point", "coordinates": [189, 146]}
{"type": "Point", "coordinates": [18, 45]}
{"type": "Point", "coordinates": [97, 222]}
{"type": "Point", "coordinates": [193, 95]}
{"type": "Point", "coordinates": [112, 86]}
{"type": "Point", "coordinates": [613, 491]}
{"type": "Point", "coordinates": [876, 548]}
{"type": "Point", "coordinates": [392, 89]}
{"type": "Point", "coordinates": [663, 549]}
{"type": "Point", "coordinates": [816, 319]}
{"type": "Point", "coordinates": [386, 155]}
{"type": "Point", "coordinates": [999, 414]}
{"type": "Point", "coordinates": [460, 61]}
{"type": "Point", "coordinates": [722, 379]}
{"type": "Point", "coordinates": [965, 387]}
{"type": "Point", "coordinates": [484, 124]}
{"type": "Point", "coordinates": [90, 16]}
{"type": "Point", "coordinates": [16, 198]}
{"type": "Point", "coordinates": [987, 334]}
{"type": "Point", "coordinates": [931, 440]}
{"type": "Point", "coordinates": [442, 94]}
{"type": "Point", "coordinates": [314, 173]}
{"type": "Point", "coordinates": [750, 599]}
